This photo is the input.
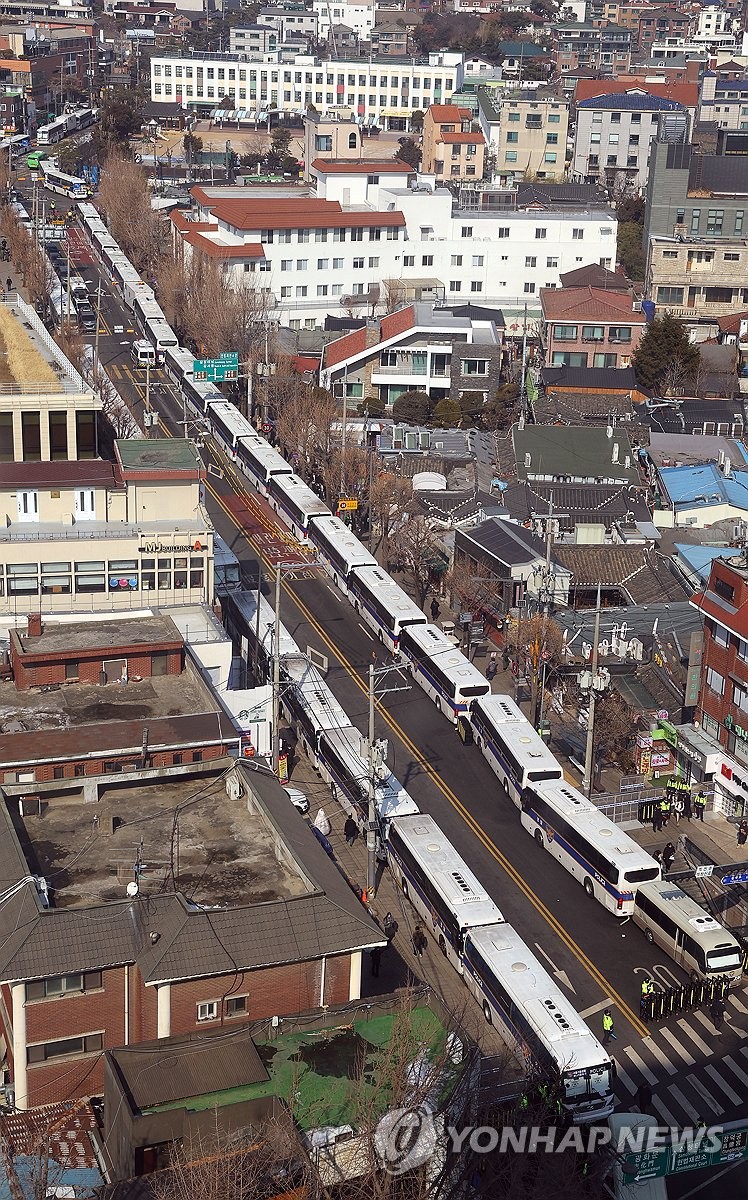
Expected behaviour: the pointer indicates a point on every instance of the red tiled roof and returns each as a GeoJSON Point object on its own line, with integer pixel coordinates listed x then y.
{"type": "Point", "coordinates": [448, 112]}
{"type": "Point", "coordinates": [462, 138]}
{"type": "Point", "coordinates": [342, 348]}
{"type": "Point", "coordinates": [302, 363]}
{"type": "Point", "coordinates": [61, 473]}
{"type": "Point", "coordinates": [686, 94]}
{"type": "Point", "coordinates": [297, 212]}
{"type": "Point", "coordinates": [183, 223]}
{"type": "Point", "coordinates": [397, 322]}
{"type": "Point", "coordinates": [335, 166]}
{"type": "Point", "coordinates": [65, 1130]}
{"type": "Point", "coordinates": [731, 323]}
{"type": "Point", "coordinates": [219, 250]}
{"type": "Point", "coordinates": [588, 302]}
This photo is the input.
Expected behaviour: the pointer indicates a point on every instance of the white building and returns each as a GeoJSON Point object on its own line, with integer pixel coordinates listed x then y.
{"type": "Point", "coordinates": [358, 16]}
{"type": "Point", "coordinates": [385, 92]}
{"type": "Point", "coordinates": [363, 239]}
{"type": "Point", "coordinates": [614, 134]}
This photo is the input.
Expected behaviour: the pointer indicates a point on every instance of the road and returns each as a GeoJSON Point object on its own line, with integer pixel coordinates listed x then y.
{"type": "Point", "coordinates": [695, 1071]}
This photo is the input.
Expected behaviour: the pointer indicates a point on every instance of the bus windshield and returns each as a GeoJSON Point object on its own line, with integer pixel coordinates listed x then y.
{"type": "Point", "coordinates": [643, 875]}
{"type": "Point", "coordinates": [723, 958]}
{"type": "Point", "coordinates": [587, 1080]}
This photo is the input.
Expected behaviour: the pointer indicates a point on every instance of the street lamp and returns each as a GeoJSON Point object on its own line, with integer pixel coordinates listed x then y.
{"type": "Point", "coordinates": [593, 683]}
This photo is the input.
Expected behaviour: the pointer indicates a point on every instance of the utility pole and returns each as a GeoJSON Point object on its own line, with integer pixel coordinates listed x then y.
{"type": "Point", "coordinates": [147, 399]}
{"type": "Point", "coordinates": [67, 243]}
{"type": "Point", "coordinates": [343, 435]}
{"type": "Point", "coordinates": [98, 320]}
{"type": "Point", "coordinates": [371, 828]}
{"type": "Point", "coordinates": [523, 393]}
{"type": "Point", "coordinates": [276, 672]}
{"type": "Point", "coordinates": [588, 770]}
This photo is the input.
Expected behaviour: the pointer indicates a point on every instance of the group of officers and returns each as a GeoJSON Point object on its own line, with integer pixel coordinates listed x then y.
{"type": "Point", "coordinates": [677, 801]}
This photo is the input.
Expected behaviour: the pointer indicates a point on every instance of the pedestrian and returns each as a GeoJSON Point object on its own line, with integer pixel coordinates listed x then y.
{"type": "Point", "coordinates": [666, 808]}
{"type": "Point", "coordinates": [718, 1012]}
{"type": "Point", "coordinates": [647, 990]}
{"type": "Point", "coordinates": [608, 1027]}
{"type": "Point", "coordinates": [668, 856]}
{"type": "Point", "coordinates": [491, 670]}
{"type": "Point", "coordinates": [742, 833]}
{"type": "Point", "coordinates": [699, 804]}
{"type": "Point", "coordinates": [658, 816]}
{"type": "Point", "coordinates": [8, 283]}
{"type": "Point", "coordinates": [350, 829]}
{"type": "Point", "coordinates": [389, 926]}
{"type": "Point", "coordinates": [644, 1098]}
{"type": "Point", "coordinates": [376, 958]}
{"type": "Point", "coordinates": [678, 808]}
{"type": "Point", "coordinates": [435, 610]}
{"type": "Point", "coordinates": [687, 809]}
{"type": "Point", "coordinates": [419, 940]}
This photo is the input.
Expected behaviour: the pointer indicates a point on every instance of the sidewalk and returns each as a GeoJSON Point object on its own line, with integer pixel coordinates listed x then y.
{"type": "Point", "coordinates": [716, 837]}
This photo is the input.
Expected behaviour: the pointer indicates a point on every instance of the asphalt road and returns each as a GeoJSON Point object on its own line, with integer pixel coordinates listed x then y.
{"type": "Point", "coordinates": [694, 1070]}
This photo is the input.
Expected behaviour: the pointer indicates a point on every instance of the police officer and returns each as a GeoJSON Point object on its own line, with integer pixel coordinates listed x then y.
{"type": "Point", "coordinates": [666, 807]}
{"type": "Point", "coordinates": [608, 1027]}
{"type": "Point", "coordinates": [644, 1001]}
{"type": "Point", "coordinates": [699, 804]}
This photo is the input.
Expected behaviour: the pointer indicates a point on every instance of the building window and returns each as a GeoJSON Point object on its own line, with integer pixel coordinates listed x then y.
{"type": "Point", "coordinates": [475, 366]}
{"type": "Point", "coordinates": [540, 232]}
{"type": "Point", "coordinates": [358, 264]}
{"type": "Point", "coordinates": [529, 288]}
{"type": "Point", "coordinates": [550, 157]}
{"type": "Point", "coordinates": [236, 1006]}
{"type": "Point", "coordinates": [90, 1043]}
{"type": "Point", "coordinates": [720, 636]}
{"type": "Point", "coordinates": [467, 231]}
{"type": "Point", "coordinates": [565, 333]}
{"type": "Point", "coordinates": [476, 286]}
{"type": "Point", "coordinates": [731, 257]}
{"type": "Point", "coordinates": [63, 985]}
{"type": "Point", "coordinates": [695, 219]}
{"type": "Point", "coordinates": [477, 260]}
{"type": "Point", "coordinates": [208, 1010]}
{"type": "Point", "coordinates": [531, 261]}
{"type": "Point", "coordinates": [669, 295]}
{"type": "Point", "coordinates": [714, 221]}
{"type": "Point", "coordinates": [551, 262]}
{"type": "Point", "coordinates": [502, 231]}
{"type": "Point", "coordinates": [577, 235]}
{"type": "Point", "coordinates": [510, 156]}
{"type": "Point", "coordinates": [715, 682]}
{"type": "Point", "coordinates": [455, 285]}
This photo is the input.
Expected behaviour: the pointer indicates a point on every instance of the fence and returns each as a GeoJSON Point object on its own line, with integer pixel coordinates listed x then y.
{"type": "Point", "coordinates": [680, 998]}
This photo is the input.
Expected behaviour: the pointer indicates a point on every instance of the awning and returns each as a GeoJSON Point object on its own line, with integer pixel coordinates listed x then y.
{"type": "Point", "coordinates": [396, 112]}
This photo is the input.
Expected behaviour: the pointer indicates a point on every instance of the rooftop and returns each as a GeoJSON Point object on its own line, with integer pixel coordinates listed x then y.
{"type": "Point", "coordinates": [57, 638]}
{"type": "Point", "coordinates": [704, 486]}
{"type": "Point", "coordinates": [641, 575]}
{"type": "Point", "coordinates": [686, 94]}
{"type": "Point", "coordinates": [344, 166]}
{"type": "Point", "coordinates": [598, 379]}
{"type": "Point", "coordinates": [590, 303]}
{"type": "Point", "coordinates": [593, 275]}
{"type": "Point", "coordinates": [30, 361]}
{"type": "Point", "coordinates": [61, 473]}
{"type": "Point", "coordinates": [157, 454]}
{"type": "Point", "coordinates": [578, 453]}
{"type": "Point", "coordinates": [639, 101]}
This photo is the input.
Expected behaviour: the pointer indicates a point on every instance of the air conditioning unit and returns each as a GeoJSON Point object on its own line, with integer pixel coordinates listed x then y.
{"type": "Point", "coordinates": [637, 306]}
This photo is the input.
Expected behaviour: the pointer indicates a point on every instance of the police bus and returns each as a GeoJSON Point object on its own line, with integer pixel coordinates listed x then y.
{"type": "Point", "coordinates": [295, 503]}
{"type": "Point", "coordinates": [512, 747]}
{"type": "Point", "coordinates": [444, 673]}
{"type": "Point", "coordinates": [227, 572]}
{"type": "Point", "coordinates": [515, 991]}
{"type": "Point", "coordinates": [343, 763]}
{"type": "Point", "coordinates": [384, 605]}
{"type": "Point", "coordinates": [439, 885]}
{"type": "Point", "coordinates": [338, 549]}
{"type": "Point", "coordinates": [608, 863]}
{"type": "Point", "coordinates": [680, 927]}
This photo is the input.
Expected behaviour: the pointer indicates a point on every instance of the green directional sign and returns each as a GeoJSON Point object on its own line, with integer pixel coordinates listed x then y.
{"type": "Point", "coordinates": [712, 1147]}
{"type": "Point", "coordinates": [216, 370]}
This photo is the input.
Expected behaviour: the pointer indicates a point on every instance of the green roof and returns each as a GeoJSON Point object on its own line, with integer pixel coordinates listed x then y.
{"type": "Point", "coordinates": [157, 454]}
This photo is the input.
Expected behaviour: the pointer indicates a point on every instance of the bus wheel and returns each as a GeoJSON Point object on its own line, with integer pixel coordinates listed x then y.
{"type": "Point", "coordinates": [649, 936]}
{"type": "Point", "coordinates": [404, 885]}
{"type": "Point", "coordinates": [487, 1012]}
{"type": "Point", "coordinates": [442, 945]}
{"type": "Point", "coordinates": [539, 839]}
{"type": "Point", "coordinates": [589, 889]}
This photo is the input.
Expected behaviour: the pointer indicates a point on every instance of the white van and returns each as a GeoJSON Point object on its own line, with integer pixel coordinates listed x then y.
{"type": "Point", "coordinates": [621, 1185]}
{"type": "Point", "coordinates": [143, 353]}
{"type": "Point", "coordinates": [679, 926]}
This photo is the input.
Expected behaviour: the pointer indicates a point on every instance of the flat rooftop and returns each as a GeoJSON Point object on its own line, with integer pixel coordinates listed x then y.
{"type": "Point", "coordinates": [158, 629]}
{"type": "Point", "coordinates": [157, 454]}
{"type": "Point", "coordinates": [30, 361]}
{"type": "Point", "coordinates": [186, 834]}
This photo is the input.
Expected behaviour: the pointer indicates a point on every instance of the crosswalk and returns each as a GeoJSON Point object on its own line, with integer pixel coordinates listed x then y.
{"type": "Point", "coordinates": [687, 1066]}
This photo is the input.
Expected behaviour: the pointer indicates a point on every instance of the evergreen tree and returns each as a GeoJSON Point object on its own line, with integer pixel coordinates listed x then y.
{"type": "Point", "coordinates": [665, 361]}
{"type": "Point", "coordinates": [411, 407]}
{"type": "Point", "coordinates": [447, 414]}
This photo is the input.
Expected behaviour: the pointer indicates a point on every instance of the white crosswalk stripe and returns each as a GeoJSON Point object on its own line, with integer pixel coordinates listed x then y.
{"type": "Point", "coordinates": [626, 1079]}
{"type": "Point", "coordinates": [733, 1000]}
{"type": "Point", "coordinates": [657, 1053]}
{"type": "Point", "coordinates": [699, 1087]}
{"type": "Point", "coordinates": [737, 1071]}
{"type": "Point", "coordinates": [685, 1104]}
{"type": "Point", "coordinates": [679, 1050]}
{"type": "Point", "coordinates": [704, 1020]}
{"type": "Point", "coordinates": [640, 1064]}
{"type": "Point", "coordinates": [723, 1086]}
{"type": "Point", "coordinates": [693, 1035]}
{"type": "Point", "coordinates": [667, 1117]}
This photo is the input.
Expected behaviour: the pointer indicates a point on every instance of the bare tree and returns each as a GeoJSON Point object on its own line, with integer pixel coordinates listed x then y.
{"type": "Point", "coordinates": [304, 417]}
{"type": "Point", "coordinates": [389, 500]}
{"type": "Point", "coordinates": [126, 199]}
{"type": "Point", "coordinates": [417, 549]}
{"type": "Point", "coordinates": [471, 587]}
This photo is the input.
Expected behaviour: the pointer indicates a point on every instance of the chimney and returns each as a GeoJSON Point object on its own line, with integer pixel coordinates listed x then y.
{"type": "Point", "coordinates": [34, 625]}
{"type": "Point", "coordinates": [614, 456]}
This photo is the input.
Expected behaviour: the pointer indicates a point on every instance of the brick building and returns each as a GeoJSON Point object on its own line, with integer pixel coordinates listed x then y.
{"type": "Point", "coordinates": [452, 149]}
{"type": "Point", "coordinates": [198, 903]}
{"type": "Point", "coordinates": [722, 706]}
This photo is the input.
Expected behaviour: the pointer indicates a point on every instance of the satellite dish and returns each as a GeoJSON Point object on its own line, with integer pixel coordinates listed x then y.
{"type": "Point", "coordinates": [132, 889]}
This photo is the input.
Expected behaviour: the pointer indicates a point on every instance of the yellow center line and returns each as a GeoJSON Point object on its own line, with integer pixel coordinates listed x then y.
{"type": "Point", "coordinates": [607, 989]}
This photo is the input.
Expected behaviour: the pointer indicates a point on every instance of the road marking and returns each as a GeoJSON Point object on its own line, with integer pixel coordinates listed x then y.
{"type": "Point", "coordinates": [737, 1071]}
{"type": "Point", "coordinates": [662, 1058]}
{"type": "Point", "coordinates": [595, 1008]}
{"type": "Point", "coordinates": [665, 1113]}
{"type": "Point", "coordinates": [699, 1087]}
{"type": "Point", "coordinates": [732, 1095]}
{"type": "Point", "coordinates": [560, 975]}
{"type": "Point", "coordinates": [641, 1065]}
{"type": "Point", "coordinates": [364, 630]}
{"type": "Point", "coordinates": [708, 1025]}
{"type": "Point", "coordinates": [625, 1078]}
{"type": "Point", "coordinates": [679, 1050]}
{"type": "Point", "coordinates": [698, 1041]}
{"type": "Point", "coordinates": [523, 886]}
{"type": "Point", "coordinates": [332, 591]}
{"type": "Point", "coordinates": [733, 1000]}
{"type": "Point", "coordinates": [685, 1104]}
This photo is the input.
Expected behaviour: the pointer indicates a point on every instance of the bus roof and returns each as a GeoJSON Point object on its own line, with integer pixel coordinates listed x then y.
{"type": "Point", "coordinates": [262, 454]}
{"type": "Point", "coordinates": [436, 642]}
{"type": "Point", "coordinates": [322, 708]}
{"type": "Point", "coordinates": [627, 854]}
{"type": "Point", "coordinates": [500, 708]}
{"type": "Point", "coordinates": [392, 800]}
{"type": "Point", "coordinates": [231, 419]}
{"type": "Point", "coordinates": [448, 871]}
{"type": "Point", "coordinates": [685, 911]}
{"type": "Point", "coordinates": [376, 579]}
{"type": "Point", "coordinates": [542, 1002]}
{"type": "Point", "coordinates": [294, 487]}
{"type": "Point", "coordinates": [335, 532]}
{"type": "Point", "coordinates": [525, 743]}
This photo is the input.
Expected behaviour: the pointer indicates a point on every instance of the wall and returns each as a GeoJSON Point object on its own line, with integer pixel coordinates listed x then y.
{"type": "Point", "coordinates": [36, 670]}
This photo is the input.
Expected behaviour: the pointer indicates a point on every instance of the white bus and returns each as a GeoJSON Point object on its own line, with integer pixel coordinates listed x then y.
{"type": "Point", "coordinates": [680, 927]}
{"type": "Point", "coordinates": [513, 749]}
{"type": "Point", "coordinates": [443, 671]}
{"type": "Point", "coordinates": [516, 991]}
{"type": "Point", "coordinates": [307, 699]}
{"type": "Point", "coordinates": [608, 863]}
{"type": "Point", "coordinates": [295, 503]}
{"type": "Point", "coordinates": [65, 185]}
{"type": "Point", "coordinates": [260, 462]}
{"type": "Point", "coordinates": [228, 425]}
{"type": "Point", "coordinates": [384, 606]}
{"type": "Point", "coordinates": [227, 572]}
{"type": "Point", "coordinates": [142, 353]}
{"type": "Point", "coordinates": [343, 762]}
{"type": "Point", "coordinates": [339, 550]}
{"type": "Point", "coordinates": [439, 885]}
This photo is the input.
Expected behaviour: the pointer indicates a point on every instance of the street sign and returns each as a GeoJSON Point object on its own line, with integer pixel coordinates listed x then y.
{"type": "Point", "coordinates": [702, 1148]}
{"type": "Point", "coordinates": [347, 505]}
{"type": "Point", "coordinates": [214, 370]}
{"type": "Point", "coordinates": [704, 872]}
{"type": "Point", "coordinates": [735, 877]}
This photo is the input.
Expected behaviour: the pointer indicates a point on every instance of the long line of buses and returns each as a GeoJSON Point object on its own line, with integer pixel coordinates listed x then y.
{"type": "Point", "coordinates": [506, 978]}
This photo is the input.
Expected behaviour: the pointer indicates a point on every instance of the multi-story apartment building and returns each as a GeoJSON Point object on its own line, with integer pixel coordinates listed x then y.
{"type": "Point", "coordinates": [584, 47]}
{"type": "Point", "coordinates": [357, 15]}
{"type": "Point", "coordinates": [653, 25]}
{"type": "Point", "coordinates": [704, 278]}
{"type": "Point", "coordinates": [452, 149]}
{"type": "Point", "coordinates": [614, 134]}
{"type": "Point", "coordinates": [724, 101]}
{"type": "Point", "coordinates": [253, 39]}
{"type": "Point", "coordinates": [526, 133]}
{"type": "Point", "coordinates": [366, 231]}
{"type": "Point", "coordinates": [590, 327]}
{"type": "Point", "coordinates": [722, 707]}
{"type": "Point", "coordinates": [375, 93]}
{"type": "Point", "coordinates": [389, 38]}
{"type": "Point", "coordinates": [291, 20]}
{"type": "Point", "coordinates": [695, 195]}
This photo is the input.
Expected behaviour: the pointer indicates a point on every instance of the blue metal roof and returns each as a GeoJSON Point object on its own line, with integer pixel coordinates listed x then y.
{"type": "Point", "coordinates": [700, 558]}
{"type": "Point", "coordinates": [625, 101]}
{"type": "Point", "coordinates": [705, 486]}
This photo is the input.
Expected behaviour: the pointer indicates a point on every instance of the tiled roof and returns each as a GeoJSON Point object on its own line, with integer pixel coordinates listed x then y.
{"type": "Point", "coordinates": [221, 250]}
{"type": "Point", "coordinates": [462, 139]}
{"type": "Point", "coordinates": [393, 166]}
{"type": "Point", "coordinates": [65, 1130]}
{"type": "Point", "coordinates": [583, 502]}
{"type": "Point", "coordinates": [61, 474]}
{"type": "Point", "coordinates": [342, 348]}
{"type": "Point", "coordinates": [441, 113]}
{"type": "Point", "coordinates": [283, 212]}
{"type": "Point", "coordinates": [686, 94]}
{"type": "Point", "coordinates": [503, 543]}
{"type": "Point", "coordinates": [641, 573]}
{"type": "Point", "coordinates": [631, 102]}
{"type": "Point", "coordinates": [596, 304]}
{"type": "Point", "coordinates": [397, 322]}
{"type": "Point", "coordinates": [599, 379]}
{"type": "Point", "coordinates": [593, 275]}
{"type": "Point", "coordinates": [193, 1064]}
{"type": "Point", "coordinates": [731, 322]}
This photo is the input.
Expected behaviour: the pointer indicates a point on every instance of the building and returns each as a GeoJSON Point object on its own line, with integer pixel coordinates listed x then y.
{"type": "Point", "coordinates": [525, 132]}
{"type": "Point", "coordinates": [569, 454]}
{"type": "Point", "coordinates": [722, 706]}
{"type": "Point", "coordinates": [389, 37]}
{"type": "Point", "coordinates": [310, 251]}
{"type": "Point", "coordinates": [695, 195]}
{"type": "Point", "coordinates": [593, 394]}
{"type": "Point", "coordinates": [516, 559]}
{"type": "Point", "coordinates": [614, 133]}
{"type": "Point", "coordinates": [12, 112]}
{"type": "Point", "coordinates": [291, 21]}
{"type": "Point", "coordinates": [358, 15]}
{"type": "Point", "coordinates": [452, 149]}
{"type": "Point", "coordinates": [605, 51]}
{"type": "Point", "coordinates": [588, 326]}
{"type": "Point", "coordinates": [724, 101]}
{"type": "Point", "coordinates": [704, 278]}
{"type": "Point", "coordinates": [654, 25]}
{"type": "Point", "coordinates": [346, 87]}
{"type": "Point", "coordinates": [417, 348]}
{"type": "Point", "coordinates": [699, 496]}
{"type": "Point", "coordinates": [654, 83]}
{"type": "Point", "coordinates": [253, 39]}
{"type": "Point", "coordinates": [200, 901]}
{"type": "Point", "coordinates": [334, 139]}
